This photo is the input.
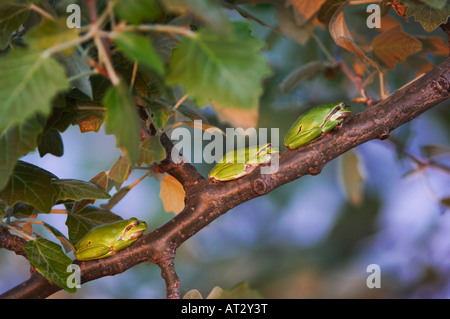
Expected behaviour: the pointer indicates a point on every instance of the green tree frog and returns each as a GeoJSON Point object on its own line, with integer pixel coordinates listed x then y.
{"type": "Point", "coordinates": [107, 239]}
{"type": "Point", "coordinates": [316, 122]}
{"type": "Point", "coordinates": [241, 162]}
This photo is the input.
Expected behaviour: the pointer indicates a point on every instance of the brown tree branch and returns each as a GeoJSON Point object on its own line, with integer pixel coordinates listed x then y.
{"type": "Point", "coordinates": [206, 200]}
{"type": "Point", "coordinates": [12, 242]}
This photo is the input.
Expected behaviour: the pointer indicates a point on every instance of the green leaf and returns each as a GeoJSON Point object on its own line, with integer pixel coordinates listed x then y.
{"type": "Point", "coordinates": [429, 17]}
{"type": "Point", "coordinates": [438, 4]}
{"type": "Point", "coordinates": [32, 185]}
{"type": "Point", "coordinates": [75, 190]}
{"type": "Point", "coordinates": [75, 65]}
{"type": "Point", "coordinates": [28, 83]}
{"type": "Point", "coordinates": [50, 261]}
{"type": "Point", "coordinates": [12, 15]}
{"type": "Point", "coordinates": [68, 246]}
{"type": "Point", "coordinates": [139, 48]}
{"type": "Point", "coordinates": [136, 11]}
{"type": "Point", "coordinates": [151, 151]}
{"type": "Point", "coordinates": [51, 143]}
{"type": "Point", "coordinates": [16, 142]}
{"type": "Point", "coordinates": [208, 11]}
{"type": "Point", "coordinates": [22, 210]}
{"type": "Point", "coordinates": [224, 69]}
{"type": "Point", "coordinates": [122, 120]}
{"type": "Point", "coordinates": [80, 223]}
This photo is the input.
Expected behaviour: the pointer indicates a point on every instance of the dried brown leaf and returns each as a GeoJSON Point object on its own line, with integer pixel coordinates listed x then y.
{"type": "Point", "coordinates": [172, 194]}
{"type": "Point", "coordinates": [394, 45]}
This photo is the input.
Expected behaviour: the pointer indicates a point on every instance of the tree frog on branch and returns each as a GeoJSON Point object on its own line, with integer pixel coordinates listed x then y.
{"type": "Point", "coordinates": [316, 122]}
{"type": "Point", "coordinates": [241, 162]}
{"type": "Point", "coordinates": [107, 239]}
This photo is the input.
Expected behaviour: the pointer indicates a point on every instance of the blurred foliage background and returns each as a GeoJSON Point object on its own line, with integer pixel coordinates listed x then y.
{"type": "Point", "coordinates": [314, 237]}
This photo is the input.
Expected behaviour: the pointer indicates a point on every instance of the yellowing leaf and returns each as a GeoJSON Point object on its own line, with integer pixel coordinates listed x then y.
{"type": "Point", "coordinates": [394, 46]}
{"type": "Point", "coordinates": [352, 177]}
{"type": "Point", "coordinates": [151, 150]}
{"type": "Point", "coordinates": [120, 170]}
{"type": "Point", "coordinates": [238, 117]}
{"type": "Point", "coordinates": [298, 31]}
{"type": "Point", "coordinates": [434, 45]}
{"type": "Point", "coordinates": [50, 33]}
{"type": "Point", "coordinates": [341, 35]}
{"type": "Point", "coordinates": [328, 9]}
{"type": "Point", "coordinates": [199, 125]}
{"type": "Point", "coordinates": [193, 294]}
{"type": "Point", "coordinates": [172, 194]}
{"type": "Point", "coordinates": [306, 8]}
{"type": "Point", "coordinates": [388, 22]}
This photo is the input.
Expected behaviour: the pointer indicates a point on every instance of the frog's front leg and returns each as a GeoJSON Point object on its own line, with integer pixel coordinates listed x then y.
{"type": "Point", "coordinates": [329, 125]}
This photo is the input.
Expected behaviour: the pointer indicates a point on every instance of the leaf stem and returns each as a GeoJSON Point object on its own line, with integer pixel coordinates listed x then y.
{"type": "Point", "coordinates": [82, 75]}
{"type": "Point", "coordinates": [381, 80]}
{"type": "Point", "coordinates": [322, 47]}
{"type": "Point", "coordinates": [41, 11]}
{"type": "Point", "coordinates": [358, 2]}
{"type": "Point", "coordinates": [180, 101]}
{"type": "Point", "coordinates": [159, 28]}
{"type": "Point", "coordinates": [67, 45]}
{"type": "Point", "coordinates": [24, 234]}
{"type": "Point", "coordinates": [133, 76]}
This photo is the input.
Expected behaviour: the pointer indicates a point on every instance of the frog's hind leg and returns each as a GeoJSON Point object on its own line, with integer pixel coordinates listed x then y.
{"type": "Point", "coordinates": [229, 171]}
{"type": "Point", "coordinates": [306, 137]}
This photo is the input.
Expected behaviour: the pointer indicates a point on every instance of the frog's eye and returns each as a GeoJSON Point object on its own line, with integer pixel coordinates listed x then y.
{"type": "Point", "coordinates": [130, 226]}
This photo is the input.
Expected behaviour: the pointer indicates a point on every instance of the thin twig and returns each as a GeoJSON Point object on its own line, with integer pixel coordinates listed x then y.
{"type": "Point", "coordinates": [41, 11]}
{"type": "Point", "coordinates": [322, 47]}
{"type": "Point", "coordinates": [159, 28]}
{"type": "Point", "coordinates": [358, 2]}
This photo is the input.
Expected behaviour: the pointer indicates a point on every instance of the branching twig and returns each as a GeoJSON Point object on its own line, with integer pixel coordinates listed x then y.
{"type": "Point", "coordinates": [207, 200]}
{"type": "Point", "coordinates": [170, 276]}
